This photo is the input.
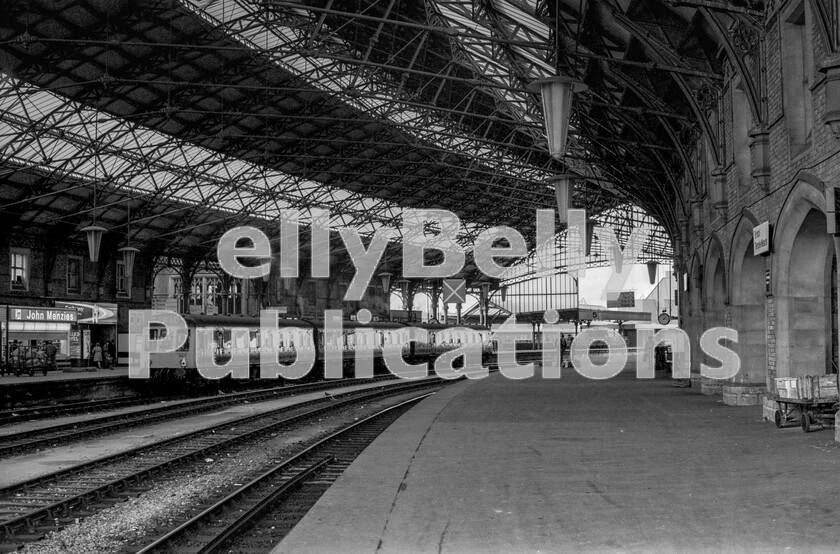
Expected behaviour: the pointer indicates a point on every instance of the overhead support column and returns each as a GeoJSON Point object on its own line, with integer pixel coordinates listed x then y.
{"type": "Point", "coordinates": [435, 296]}
{"type": "Point", "coordinates": [187, 272]}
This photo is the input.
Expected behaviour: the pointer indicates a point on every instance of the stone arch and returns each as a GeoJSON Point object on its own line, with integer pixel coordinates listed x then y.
{"type": "Point", "coordinates": [802, 283]}
{"type": "Point", "coordinates": [715, 291]}
{"type": "Point", "coordinates": [715, 300]}
{"type": "Point", "coordinates": [745, 221]}
{"type": "Point", "coordinates": [747, 316]}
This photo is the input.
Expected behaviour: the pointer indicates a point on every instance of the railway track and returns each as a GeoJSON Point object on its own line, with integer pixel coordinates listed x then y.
{"type": "Point", "coordinates": [31, 413]}
{"type": "Point", "coordinates": [271, 504]}
{"type": "Point", "coordinates": [49, 502]}
{"type": "Point", "coordinates": [25, 441]}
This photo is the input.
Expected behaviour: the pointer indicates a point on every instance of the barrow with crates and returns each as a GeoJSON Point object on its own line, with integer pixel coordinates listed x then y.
{"type": "Point", "coordinates": [809, 401]}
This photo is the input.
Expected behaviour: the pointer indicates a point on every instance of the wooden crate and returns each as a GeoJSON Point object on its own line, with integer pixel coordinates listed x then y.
{"type": "Point", "coordinates": [809, 387]}
{"type": "Point", "coordinates": [787, 387]}
{"type": "Point", "coordinates": [825, 387]}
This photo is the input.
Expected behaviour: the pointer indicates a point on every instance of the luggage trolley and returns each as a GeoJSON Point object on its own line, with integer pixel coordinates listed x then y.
{"type": "Point", "coordinates": [817, 404]}
{"type": "Point", "coordinates": [810, 412]}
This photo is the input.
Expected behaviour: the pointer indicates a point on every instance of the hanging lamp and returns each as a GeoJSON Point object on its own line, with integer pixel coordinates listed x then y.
{"type": "Point", "coordinates": [651, 267]}
{"type": "Point", "coordinates": [94, 232]}
{"type": "Point", "coordinates": [557, 94]}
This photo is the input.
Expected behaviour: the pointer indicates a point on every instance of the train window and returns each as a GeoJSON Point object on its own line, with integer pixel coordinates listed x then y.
{"type": "Point", "coordinates": [222, 341]}
{"type": "Point", "coordinates": [156, 331]}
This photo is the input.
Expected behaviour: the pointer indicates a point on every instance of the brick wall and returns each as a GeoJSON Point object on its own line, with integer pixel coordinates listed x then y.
{"type": "Point", "coordinates": [770, 322]}
{"type": "Point", "coordinates": [819, 159]}
{"type": "Point", "coordinates": [48, 273]}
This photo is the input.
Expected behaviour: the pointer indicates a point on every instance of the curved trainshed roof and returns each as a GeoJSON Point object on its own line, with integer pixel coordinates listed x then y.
{"type": "Point", "coordinates": [203, 114]}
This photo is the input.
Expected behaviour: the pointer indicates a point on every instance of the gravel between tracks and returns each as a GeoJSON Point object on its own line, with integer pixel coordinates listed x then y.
{"type": "Point", "coordinates": [110, 530]}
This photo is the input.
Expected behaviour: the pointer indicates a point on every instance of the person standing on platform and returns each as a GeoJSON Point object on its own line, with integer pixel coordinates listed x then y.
{"type": "Point", "coordinates": [41, 356]}
{"type": "Point", "coordinates": [567, 346]}
{"type": "Point", "coordinates": [112, 352]}
{"type": "Point", "coordinates": [51, 352]}
{"type": "Point", "coordinates": [562, 347]}
{"type": "Point", "coordinates": [14, 356]}
{"type": "Point", "coordinates": [97, 355]}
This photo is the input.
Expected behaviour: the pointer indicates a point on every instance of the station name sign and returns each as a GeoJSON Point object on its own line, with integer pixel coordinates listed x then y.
{"type": "Point", "coordinates": [23, 313]}
{"type": "Point", "coordinates": [761, 239]}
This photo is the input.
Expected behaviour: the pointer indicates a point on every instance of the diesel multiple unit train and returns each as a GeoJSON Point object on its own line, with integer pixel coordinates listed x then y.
{"type": "Point", "coordinates": [294, 335]}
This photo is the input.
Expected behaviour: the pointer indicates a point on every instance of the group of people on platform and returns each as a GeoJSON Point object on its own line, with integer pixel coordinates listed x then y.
{"type": "Point", "coordinates": [104, 355]}
{"type": "Point", "coordinates": [41, 356]}
{"type": "Point", "coordinates": [24, 359]}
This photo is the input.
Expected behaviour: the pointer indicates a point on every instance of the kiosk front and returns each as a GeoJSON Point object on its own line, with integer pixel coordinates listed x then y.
{"type": "Point", "coordinates": [26, 330]}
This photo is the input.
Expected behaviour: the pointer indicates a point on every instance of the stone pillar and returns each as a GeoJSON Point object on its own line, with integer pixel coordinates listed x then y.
{"type": "Point", "coordinates": [760, 156]}
{"type": "Point", "coordinates": [836, 241]}
{"type": "Point", "coordinates": [770, 324]}
{"type": "Point", "coordinates": [435, 299]}
{"type": "Point", "coordinates": [719, 200]}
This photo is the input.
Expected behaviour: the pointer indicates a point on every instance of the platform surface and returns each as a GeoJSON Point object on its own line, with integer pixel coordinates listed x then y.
{"type": "Point", "coordinates": [52, 376]}
{"type": "Point", "coordinates": [575, 465]}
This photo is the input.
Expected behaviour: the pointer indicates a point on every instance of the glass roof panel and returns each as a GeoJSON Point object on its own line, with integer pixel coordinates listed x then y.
{"type": "Point", "coordinates": [338, 77]}
{"type": "Point", "coordinates": [93, 145]}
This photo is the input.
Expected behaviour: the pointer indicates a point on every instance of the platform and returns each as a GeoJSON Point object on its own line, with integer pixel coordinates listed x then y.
{"type": "Point", "coordinates": [578, 465]}
{"type": "Point", "coordinates": [74, 375]}
{"type": "Point", "coordinates": [66, 386]}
